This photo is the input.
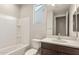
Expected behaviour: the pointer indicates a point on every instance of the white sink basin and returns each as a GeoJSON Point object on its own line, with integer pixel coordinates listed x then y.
{"type": "Point", "coordinates": [60, 40]}
{"type": "Point", "coordinates": [63, 40]}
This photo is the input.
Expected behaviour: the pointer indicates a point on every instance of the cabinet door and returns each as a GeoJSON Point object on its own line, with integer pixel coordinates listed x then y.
{"type": "Point", "coordinates": [48, 52]}
{"type": "Point", "coordinates": [59, 49]}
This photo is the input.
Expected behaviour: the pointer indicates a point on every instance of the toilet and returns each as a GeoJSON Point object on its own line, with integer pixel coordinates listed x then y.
{"type": "Point", "coordinates": [36, 44]}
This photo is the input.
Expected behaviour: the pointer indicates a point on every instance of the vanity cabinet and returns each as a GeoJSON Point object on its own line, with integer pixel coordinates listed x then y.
{"type": "Point", "coordinates": [54, 49]}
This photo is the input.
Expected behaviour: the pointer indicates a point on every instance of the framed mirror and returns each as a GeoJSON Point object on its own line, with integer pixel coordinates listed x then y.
{"type": "Point", "coordinates": [77, 18]}
{"type": "Point", "coordinates": [61, 20]}
{"type": "Point", "coordinates": [76, 21]}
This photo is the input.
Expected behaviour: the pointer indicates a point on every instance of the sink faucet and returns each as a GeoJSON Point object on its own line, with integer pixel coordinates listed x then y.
{"type": "Point", "coordinates": [77, 35]}
{"type": "Point", "coordinates": [59, 36]}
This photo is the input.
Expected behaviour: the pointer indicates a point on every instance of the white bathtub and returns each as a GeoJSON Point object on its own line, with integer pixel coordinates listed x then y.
{"type": "Point", "coordinates": [18, 49]}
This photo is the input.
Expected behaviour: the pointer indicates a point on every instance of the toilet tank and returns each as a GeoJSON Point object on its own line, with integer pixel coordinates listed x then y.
{"type": "Point", "coordinates": [36, 43]}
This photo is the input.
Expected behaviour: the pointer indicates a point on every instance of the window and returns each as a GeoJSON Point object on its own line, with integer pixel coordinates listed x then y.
{"type": "Point", "coordinates": [38, 13]}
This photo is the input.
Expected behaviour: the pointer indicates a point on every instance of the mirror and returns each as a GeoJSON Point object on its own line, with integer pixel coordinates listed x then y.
{"type": "Point", "coordinates": [62, 20]}
{"type": "Point", "coordinates": [76, 21]}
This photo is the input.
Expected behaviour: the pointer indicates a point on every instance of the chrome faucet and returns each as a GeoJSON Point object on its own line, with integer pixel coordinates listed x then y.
{"type": "Point", "coordinates": [77, 35]}
{"type": "Point", "coordinates": [59, 36]}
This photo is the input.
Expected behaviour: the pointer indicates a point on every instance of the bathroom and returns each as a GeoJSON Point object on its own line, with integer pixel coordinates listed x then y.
{"type": "Point", "coordinates": [39, 29]}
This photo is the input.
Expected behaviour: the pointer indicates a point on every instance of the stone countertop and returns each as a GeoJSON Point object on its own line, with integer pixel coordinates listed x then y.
{"type": "Point", "coordinates": [63, 42]}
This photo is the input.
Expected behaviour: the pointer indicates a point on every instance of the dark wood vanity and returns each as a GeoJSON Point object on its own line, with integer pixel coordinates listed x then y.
{"type": "Point", "coordinates": [55, 49]}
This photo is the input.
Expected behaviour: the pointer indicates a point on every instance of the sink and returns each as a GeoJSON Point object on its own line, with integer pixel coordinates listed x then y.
{"type": "Point", "coordinates": [62, 40]}
{"type": "Point", "coordinates": [59, 40]}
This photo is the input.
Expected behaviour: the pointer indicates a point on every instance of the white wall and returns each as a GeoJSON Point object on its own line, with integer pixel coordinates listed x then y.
{"type": "Point", "coordinates": [24, 24]}
{"type": "Point", "coordinates": [50, 22]}
{"type": "Point", "coordinates": [8, 17]}
{"type": "Point", "coordinates": [27, 30]}
{"type": "Point", "coordinates": [9, 9]}
{"type": "Point", "coordinates": [39, 30]}
{"type": "Point", "coordinates": [71, 12]}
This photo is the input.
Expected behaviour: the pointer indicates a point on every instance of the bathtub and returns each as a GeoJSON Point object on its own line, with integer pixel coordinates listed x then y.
{"type": "Point", "coordinates": [18, 49]}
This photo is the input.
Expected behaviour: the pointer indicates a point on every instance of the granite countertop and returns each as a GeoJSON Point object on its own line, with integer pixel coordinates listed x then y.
{"type": "Point", "coordinates": [64, 42]}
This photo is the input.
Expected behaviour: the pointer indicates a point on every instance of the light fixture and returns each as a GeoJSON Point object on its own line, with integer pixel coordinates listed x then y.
{"type": "Point", "coordinates": [52, 4]}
